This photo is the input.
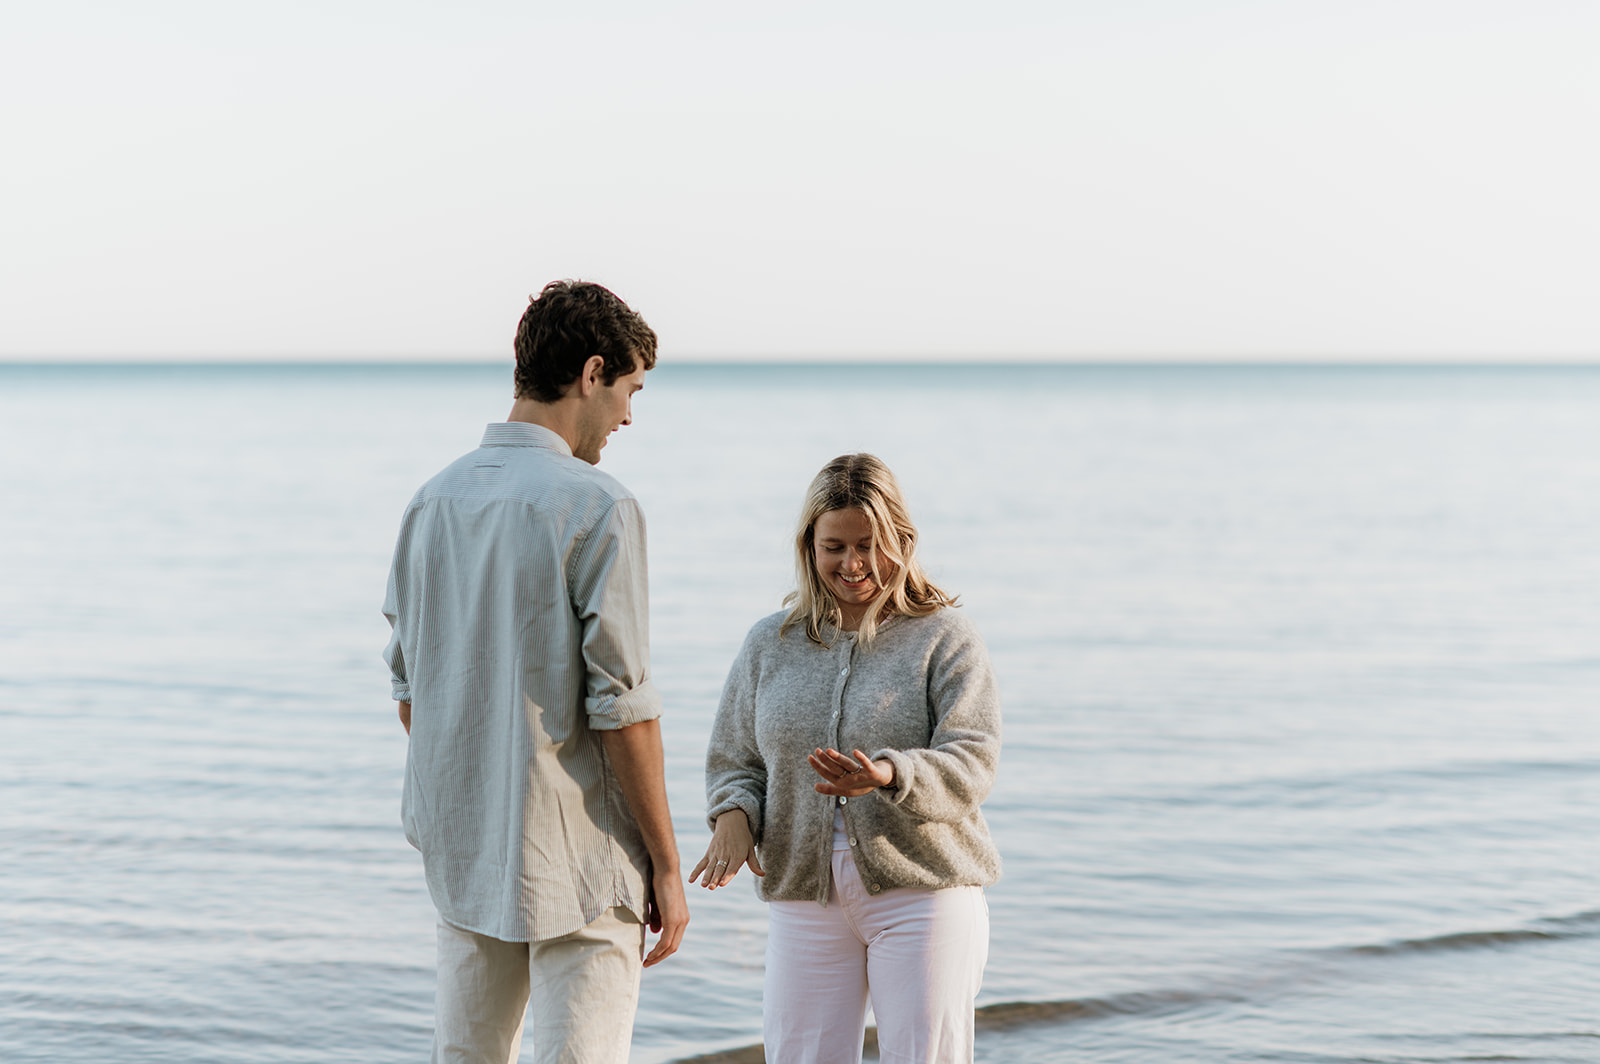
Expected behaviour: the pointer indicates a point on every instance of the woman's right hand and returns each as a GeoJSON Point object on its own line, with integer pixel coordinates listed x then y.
{"type": "Point", "coordinates": [732, 845]}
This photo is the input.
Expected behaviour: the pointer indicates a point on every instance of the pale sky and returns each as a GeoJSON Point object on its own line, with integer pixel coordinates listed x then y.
{"type": "Point", "coordinates": [1114, 180]}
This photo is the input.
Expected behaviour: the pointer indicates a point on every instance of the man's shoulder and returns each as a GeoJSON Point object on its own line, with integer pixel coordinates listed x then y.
{"type": "Point", "coordinates": [597, 480]}
{"type": "Point", "coordinates": [566, 477]}
{"type": "Point", "coordinates": [530, 475]}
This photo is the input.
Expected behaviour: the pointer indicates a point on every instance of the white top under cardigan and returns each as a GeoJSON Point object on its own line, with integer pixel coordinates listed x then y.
{"type": "Point", "coordinates": [923, 696]}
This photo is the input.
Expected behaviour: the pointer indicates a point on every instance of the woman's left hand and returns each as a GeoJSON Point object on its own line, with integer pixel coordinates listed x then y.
{"type": "Point", "coordinates": [850, 776]}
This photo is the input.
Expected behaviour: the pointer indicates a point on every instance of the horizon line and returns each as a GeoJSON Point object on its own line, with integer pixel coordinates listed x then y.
{"type": "Point", "coordinates": [1525, 361]}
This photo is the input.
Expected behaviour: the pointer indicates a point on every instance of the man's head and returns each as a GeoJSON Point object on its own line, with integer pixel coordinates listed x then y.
{"type": "Point", "coordinates": [569, 323]}
{"type": "Point", "coordinates": [581, 354]}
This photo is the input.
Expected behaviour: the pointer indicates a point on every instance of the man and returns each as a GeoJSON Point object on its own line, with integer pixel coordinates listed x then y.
{"type": "Point", "coordinates": [520, 656]}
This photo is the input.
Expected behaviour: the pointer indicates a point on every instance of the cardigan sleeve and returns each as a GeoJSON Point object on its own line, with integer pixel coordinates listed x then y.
{"type": "Point", "coordinates": [736, 774]}
{"type": "Point", "coordinates": [948, 780]}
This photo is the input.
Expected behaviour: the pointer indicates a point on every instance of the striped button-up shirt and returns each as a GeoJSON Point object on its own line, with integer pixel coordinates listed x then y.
{"type": "Point", "coordinates": [521, 629]}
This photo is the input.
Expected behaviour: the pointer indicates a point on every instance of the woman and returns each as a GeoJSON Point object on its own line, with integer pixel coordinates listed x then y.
{"type": "Point", "coordinates": [874, 864]}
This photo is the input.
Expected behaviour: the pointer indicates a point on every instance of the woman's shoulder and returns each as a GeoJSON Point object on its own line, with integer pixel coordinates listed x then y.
{"type": "Point", "coordinates": [947, 634]}
{"type": "Point", "coordinates": [767, 627]}
{"type": "Point", "coordinates": [944, 623]}
{"type": "Point", "coordinates": [768, 633]}
{"type": "Point", "coordinates": [773, 643]}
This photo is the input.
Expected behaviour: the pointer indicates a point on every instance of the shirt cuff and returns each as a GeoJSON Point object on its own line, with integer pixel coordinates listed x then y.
{"type": "Point", "coordinates": [610, 712]}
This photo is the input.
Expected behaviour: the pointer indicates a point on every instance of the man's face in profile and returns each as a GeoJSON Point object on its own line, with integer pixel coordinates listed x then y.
{"type": "Point", "coordinates": [605, 409]}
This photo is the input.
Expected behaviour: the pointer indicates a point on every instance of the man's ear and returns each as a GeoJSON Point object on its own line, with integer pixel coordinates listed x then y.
{"type": "Point", "coordinates": [589, 379]}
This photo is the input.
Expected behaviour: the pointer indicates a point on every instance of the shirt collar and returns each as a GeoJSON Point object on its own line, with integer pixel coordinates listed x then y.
{"type": "Point", "coordinates": [524, 434]}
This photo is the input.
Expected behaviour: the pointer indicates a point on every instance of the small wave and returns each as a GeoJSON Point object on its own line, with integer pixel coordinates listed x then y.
{"type": "Point", "coordinates": [1319, 790]}
{"type": "Point", "coordinates": [743, 1055]}
{"type": "Point", "coordinates": [1012, 1014]}
{"type": "Point", "coordinates": [1136, 1003]}
{"type": "Point", "coordinates": [1578, 925]}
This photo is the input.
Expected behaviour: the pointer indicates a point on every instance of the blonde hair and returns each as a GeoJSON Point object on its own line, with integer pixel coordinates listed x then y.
{"type": "Point", "coordinates": [860, 482]}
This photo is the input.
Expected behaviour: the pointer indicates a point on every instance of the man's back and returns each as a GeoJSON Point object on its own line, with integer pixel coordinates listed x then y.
{"type": "Point", "coordinates": [535, 779]}
{"type": "Point", "coordinates": [518, 597]}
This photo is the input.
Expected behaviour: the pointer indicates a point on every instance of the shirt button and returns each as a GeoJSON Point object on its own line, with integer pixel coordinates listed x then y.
{"type": "Point", "coordinates": [844, 801]}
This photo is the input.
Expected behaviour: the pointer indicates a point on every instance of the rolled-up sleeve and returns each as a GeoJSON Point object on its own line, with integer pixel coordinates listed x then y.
{"type": "Point", "coordinates": [610, 589]}
{"type": "Point", "coordinates": [399, 682]}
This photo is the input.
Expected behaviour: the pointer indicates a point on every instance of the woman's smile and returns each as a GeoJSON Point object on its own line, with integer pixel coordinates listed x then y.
{"type": "Point", "coordinates": [845, 557]}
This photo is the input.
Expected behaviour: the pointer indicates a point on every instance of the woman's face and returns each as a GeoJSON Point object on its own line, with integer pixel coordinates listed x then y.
{"type": "Point", "coordinates": [843, 548]}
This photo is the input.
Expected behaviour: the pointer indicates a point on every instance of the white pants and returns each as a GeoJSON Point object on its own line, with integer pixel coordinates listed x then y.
{"type": "Point", "coordinates": [918, 954]}
{"type": "Point", "coordinates": [584, 987]}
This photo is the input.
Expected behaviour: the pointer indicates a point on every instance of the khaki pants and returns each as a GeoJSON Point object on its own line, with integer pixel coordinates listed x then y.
{"type": "Point", "coordinates": [584, 989]}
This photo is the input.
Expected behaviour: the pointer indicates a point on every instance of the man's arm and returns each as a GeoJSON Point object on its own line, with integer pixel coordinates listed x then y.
{"type": "Point", "coordinates": [611, 597]}
{"type": "Point", "coordinates": [637, 760]}
{"type": "Point", "coordinates": [405, 716]}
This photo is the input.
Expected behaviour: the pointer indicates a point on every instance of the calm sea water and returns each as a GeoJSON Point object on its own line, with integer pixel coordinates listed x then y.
{"type": "Point", "coordinates": [1301, 669]}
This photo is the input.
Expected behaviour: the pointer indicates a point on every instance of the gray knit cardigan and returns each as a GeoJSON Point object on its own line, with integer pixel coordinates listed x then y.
{"type": "Point", "coordinates": [923, 695]}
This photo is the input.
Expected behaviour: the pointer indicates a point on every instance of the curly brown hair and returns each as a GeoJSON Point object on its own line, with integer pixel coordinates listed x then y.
{"type": "Point", "coordinates": [567, 324]}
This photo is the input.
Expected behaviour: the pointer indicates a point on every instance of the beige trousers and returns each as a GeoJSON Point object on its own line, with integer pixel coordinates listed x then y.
{"type": "Point", "coordinates": [584, 989]}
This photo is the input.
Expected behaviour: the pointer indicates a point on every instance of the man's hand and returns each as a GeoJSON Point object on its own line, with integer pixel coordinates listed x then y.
{"type": "Point", "coordinates": [636, 761]}
{"type": "Point", "coordinates": [669, 915]}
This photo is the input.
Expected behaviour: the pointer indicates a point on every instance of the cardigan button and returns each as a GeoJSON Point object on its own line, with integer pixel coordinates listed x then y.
{"type": "Point", "coordinates": [853, 841]}
{"type": "Point", "coordinates": [873, 888]}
